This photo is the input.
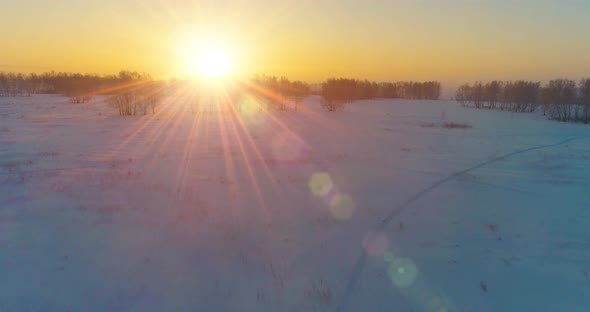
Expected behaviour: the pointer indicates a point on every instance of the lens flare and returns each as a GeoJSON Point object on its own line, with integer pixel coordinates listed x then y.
{"type": "Point", "coordinates": [402, 272]}
{"type": "Point", "coordinates": [249, 106]}
{"type": "Point", "coordinates": [388, 256]}
{"type": "Point", "coordinates": [342, 207]}
{"type": "Point", "coordinates": [320, 183]}
{"type": "Point", "coordinates": [375, 243]}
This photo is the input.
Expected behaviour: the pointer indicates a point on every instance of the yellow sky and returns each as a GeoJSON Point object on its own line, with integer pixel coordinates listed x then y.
{"type": "Point", "coordinates": [454, 41]}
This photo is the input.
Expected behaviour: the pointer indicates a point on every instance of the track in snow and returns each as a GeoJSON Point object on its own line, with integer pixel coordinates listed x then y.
{"type": "Point", "coordinates": [360, 263]}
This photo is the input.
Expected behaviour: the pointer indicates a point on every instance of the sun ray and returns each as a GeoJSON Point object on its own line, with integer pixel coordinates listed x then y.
{"type": "Point", "coordinates": [184, 165]}
{"type": "Point", "coordinates": [254, 180]}
{"type": "Point", "coordinates": [247, 162]}
{"type": "Point", "coordinates": [141, 125]}
{"type": "Point", "coordinates": [254, 147]}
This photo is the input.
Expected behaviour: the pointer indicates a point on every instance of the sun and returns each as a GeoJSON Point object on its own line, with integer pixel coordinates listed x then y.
{"type": "Point", "coordinates": [212, 63]}
{"type": "Point", "coordinates": [207, 59]}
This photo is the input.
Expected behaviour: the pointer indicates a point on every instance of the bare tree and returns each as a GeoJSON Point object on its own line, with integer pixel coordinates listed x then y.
{"type": "Point", "coordinates": [585, 99]}
{"type": "Point", "coordinates": [559, 97]}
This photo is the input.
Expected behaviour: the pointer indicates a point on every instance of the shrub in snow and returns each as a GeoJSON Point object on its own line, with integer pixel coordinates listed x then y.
{"type": "Point", "coordinates": [137, 100]}
{"type": "Point", "coordinates": [319, 292]}
{"type": "Point", "coordinates": [337, 92]}
{"type": "Point", "coordinates": [124, 102]}
{"type": "Point", "coordinates": [428, 125]}
{"type": "Point", "coordinates": [447, 125]}
{"type": "Point", "coordinates": [78, 99]}
{"type": "Point", "coordinates": [331, 105]}
{"type": "Point", "coordinates": [456, 125]}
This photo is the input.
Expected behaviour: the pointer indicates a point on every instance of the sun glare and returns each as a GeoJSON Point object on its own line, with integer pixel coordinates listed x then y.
{"type": "Point", "coordinates": [213, 63]}
{"type": "Point", "coordinates": [207, 60]}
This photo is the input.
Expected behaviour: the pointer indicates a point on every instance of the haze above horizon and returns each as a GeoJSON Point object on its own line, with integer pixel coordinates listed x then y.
{"type": "Point", "coordinates": [450, 41]}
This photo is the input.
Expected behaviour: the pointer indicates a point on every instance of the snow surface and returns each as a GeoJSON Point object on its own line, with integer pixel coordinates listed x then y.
{"type": "Point", "coordinates": [374, 208]}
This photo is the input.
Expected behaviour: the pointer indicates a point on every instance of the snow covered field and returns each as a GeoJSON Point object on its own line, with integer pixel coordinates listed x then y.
{"type": "Point", "coordinates": [375, 208]}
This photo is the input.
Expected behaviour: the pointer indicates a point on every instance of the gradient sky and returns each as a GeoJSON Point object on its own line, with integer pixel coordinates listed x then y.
{"type": "Point", "coordinates": [452, 41]}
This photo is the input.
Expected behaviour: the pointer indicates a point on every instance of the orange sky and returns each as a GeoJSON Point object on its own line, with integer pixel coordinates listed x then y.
{"type": "Point", "coordinates": [451, 41]}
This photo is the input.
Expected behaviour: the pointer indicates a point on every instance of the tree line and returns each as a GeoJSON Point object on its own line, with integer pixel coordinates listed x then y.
{"type": "Point", "coordinates": [260, 93]}
{"type": "Point", "coordinates": [517, 96]}
{"type": "Point", "coordinates": [560, 99]}
{"type": "Point", "coordinates": [336, 92]}
{"type": "Point", "coordinates": [280, 93]}
{"type": "Point", "coordinates": [79, 87]}
{"type": "Point", "coordinates": [127, 92]}
{"type": "Point", "coordinates": [132, 93]}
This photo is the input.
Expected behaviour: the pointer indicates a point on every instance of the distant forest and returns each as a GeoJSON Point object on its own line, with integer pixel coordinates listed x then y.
{"type": "Point", "coordinates": [279, 93]}
{"type": "Point", "coordinates": [353, 89]}
{"type": "Point", "coordinates": [560, 99]}
{"type": "Point", "coordinates": [68, 84]}
{"type": "Point", "coordinates": [336, 92]}
{"type": "Point", "coordinates": [137, 93]}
